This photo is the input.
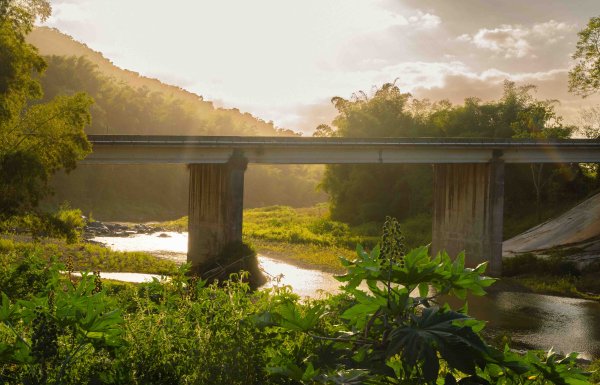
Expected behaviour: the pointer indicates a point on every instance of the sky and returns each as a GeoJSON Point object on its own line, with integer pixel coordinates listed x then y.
{"type": "Point", "coordinates": [284, 60]}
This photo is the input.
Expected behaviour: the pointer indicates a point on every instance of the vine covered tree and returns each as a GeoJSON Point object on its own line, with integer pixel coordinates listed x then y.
{"type": "Point", "coordinates": [36, 139]}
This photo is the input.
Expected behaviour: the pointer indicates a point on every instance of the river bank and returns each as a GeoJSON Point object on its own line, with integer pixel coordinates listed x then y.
{"type": "Point", "coordinates": [513, 313]}
{"type": "Point", "coordinates": [307, 238]}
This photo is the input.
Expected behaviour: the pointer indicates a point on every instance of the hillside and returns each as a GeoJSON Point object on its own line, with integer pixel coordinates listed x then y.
{"type": "Point", "coordinates": [50, 41]}
{"type": "Point", "coordinates": [127, 103]}
{"type": "Point", "coordinates": [201, 115]}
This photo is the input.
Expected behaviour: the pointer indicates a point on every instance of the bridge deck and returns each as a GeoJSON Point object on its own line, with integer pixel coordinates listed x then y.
{"type": "Point", "coordinates": [134, 149]}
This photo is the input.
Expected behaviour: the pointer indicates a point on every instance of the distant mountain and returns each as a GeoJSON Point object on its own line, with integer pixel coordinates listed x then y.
{"type": "Point", "coordinates": [156, 107]}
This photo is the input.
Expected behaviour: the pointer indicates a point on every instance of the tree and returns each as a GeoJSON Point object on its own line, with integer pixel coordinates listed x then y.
{"type": "Point", "coordinates": [36, 140]}
{"type": "Point", "coordinates": [539, 121]}
{"type": "Point", "coordinates": [584, 78]}
{"type": "Point", "coordinates": [365, 193]}
{"type": "Point", "coordinates": [589, 122]}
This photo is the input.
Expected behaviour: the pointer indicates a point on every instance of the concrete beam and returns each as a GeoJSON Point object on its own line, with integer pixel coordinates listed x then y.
{"type": "Point", "coordinates": [297, 150]}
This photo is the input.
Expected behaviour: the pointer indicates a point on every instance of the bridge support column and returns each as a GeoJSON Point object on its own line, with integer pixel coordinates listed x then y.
{"type": "Point", "coordinates": [216, 202]}
{"type": "Point", "coordinates": [468, 204]}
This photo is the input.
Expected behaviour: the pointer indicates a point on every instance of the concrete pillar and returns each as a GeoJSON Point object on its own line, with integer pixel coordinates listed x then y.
{"type": "Point", "coordinates": [468, 204]}
{"type": "Point", "coordinates": [215, 208]}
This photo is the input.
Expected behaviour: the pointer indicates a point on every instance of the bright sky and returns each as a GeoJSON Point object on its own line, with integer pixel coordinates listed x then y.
{"type": "Point", "coordinates": [284, 60]}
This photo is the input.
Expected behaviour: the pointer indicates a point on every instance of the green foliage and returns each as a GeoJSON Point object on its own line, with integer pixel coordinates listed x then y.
{"type": "Point", "coordinates": [65, 223]}
{"type": "Point", "coordinates": [82, 256]}
{"type": "Point", "coordinates": [233, 258]}
{"type": "Point", "coordinates": [389, 326]}
{"type": "Point", "coordinates": [395, 331]}
{"type": "Point", "coordinates": [56, 328]}
{"type": "Point", "coordinates": [594, 368]}
{"type": "Point", "coordinates": [136, 192]}
{"type": "Point", "coordinates": [180, 331]}
{"type": "Point", "coordinates": [35, 140]}
{"type": "Point", "coordinates": [305, 235]}
{"type": "Point", "coordinates": [369, 193]}
{"type": "Point", "coordinates": [584, 78]}
{"type": "Point", "coordinates": [24, 278]}
{"type": "Point", "coordinates": [528, 262]}
{"type": "Point", "coordinates": [297, 226]}
{"type": "Point", "coordinates": [554, 274]}
{"type": "Point", "coordinates": [194, 334]}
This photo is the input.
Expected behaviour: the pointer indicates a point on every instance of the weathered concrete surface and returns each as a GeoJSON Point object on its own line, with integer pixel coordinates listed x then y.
{"type": "Point", "coordinates": [215, 208]}
{"type": "Point", "coordinates": [578, 227]}
{"type": "Point", "coordinates": [467, 212]}
{"type": "Point", "coordinates": [134, 149]}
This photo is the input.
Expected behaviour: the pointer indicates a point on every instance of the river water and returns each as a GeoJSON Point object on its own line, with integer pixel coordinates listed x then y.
{"type": "Point", "coordinates": [532, 320]}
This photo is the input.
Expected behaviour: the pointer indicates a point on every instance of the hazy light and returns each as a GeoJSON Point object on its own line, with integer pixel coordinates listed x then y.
{"type": "Point", "coordinates": [278, 58]}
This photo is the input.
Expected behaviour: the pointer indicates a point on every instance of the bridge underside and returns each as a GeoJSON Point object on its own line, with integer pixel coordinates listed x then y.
{"type": "Point", "coordinates": [467, 214]}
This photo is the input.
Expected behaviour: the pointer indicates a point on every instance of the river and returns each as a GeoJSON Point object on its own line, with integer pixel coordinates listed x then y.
{"type": "Point", "coordinates": [531, 320]}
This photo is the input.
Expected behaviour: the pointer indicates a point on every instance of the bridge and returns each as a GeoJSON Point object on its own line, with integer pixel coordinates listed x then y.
{"type": "Point", "coordinates": [468, 191]}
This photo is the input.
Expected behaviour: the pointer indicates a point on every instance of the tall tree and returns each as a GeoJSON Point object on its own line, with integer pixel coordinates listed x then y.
{"type": "Point", "coordinates": [538, 120]}
{"type": "Point", "coordinates": [584, 78]}
{"type": "Point", "coordinates": [36, 140]}
{"type": "Point", "coordinates": [362, 193]}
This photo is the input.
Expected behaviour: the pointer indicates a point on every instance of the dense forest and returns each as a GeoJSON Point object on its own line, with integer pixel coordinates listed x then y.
{"type": "Point", "coordinates": [127, 103]}
{"type": "Point", "coordinates": [369, 193]}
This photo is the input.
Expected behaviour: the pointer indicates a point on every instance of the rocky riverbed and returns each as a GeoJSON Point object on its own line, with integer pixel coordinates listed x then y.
{"type": "Point", "coordinates": [116, 229]}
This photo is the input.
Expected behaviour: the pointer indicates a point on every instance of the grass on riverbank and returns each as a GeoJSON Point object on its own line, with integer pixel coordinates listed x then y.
{"type": "Point", "coordinates": [308, 237]}
{"type": "Point", "coordinates": [83, 256]}
{"type": "Point", "coordinates": [554, 274]}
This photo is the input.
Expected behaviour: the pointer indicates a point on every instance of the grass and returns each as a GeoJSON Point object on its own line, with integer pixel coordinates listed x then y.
{"type": "Point", "coordinates": [305, 255]}
{"type": "Point", "coordinates": [554, 274]}
{"type": "Point", "coordinates": [308, 237]}
{"type": "Point", "coordinates": [83, 256]}
{"type": "Point", "coordinates": [304, 236]}
{"type": "Point", "coordinates": [178, 225]}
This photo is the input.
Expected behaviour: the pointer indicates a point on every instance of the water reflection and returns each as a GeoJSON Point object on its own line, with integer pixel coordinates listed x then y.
{"type": "Point", "coordinates": [542, 321]}
{"type": "Point", "coordinates": [533, 320]}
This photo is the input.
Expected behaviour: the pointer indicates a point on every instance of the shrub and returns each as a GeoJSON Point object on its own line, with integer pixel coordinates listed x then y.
{"type": "Point", "coordinates": [394, 331]}
{"type": "Point", "coordinates": [528, 263]}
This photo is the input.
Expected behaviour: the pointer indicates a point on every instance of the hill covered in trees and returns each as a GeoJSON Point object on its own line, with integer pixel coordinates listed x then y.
{"type": "Point", "coordinates": [127, 103]}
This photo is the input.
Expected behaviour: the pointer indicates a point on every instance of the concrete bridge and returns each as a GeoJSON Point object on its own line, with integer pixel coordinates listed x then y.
{"type": "Point", "coordinates": [468, 178]}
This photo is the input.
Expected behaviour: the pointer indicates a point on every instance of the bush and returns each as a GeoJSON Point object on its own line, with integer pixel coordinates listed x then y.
{"type": "Point", "coordinates": [393, 331]}
{"type": "Point", "coordinates": [182, 331]}
{"type": "Point", "coordinates": [65, 223]}
{"type": "Point", "coordinates": [529, 263]}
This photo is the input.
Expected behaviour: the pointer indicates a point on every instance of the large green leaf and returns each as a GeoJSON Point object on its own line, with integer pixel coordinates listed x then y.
{"type": "Point", "coordinates": [292, 317]}
{"type": "Point", "coordinates": [435, 331]}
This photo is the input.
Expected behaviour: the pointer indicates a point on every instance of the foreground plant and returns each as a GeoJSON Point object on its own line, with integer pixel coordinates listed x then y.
{"type": "Point", "coordinates": [45, 337]}
{"type": "Point", "coordinates": [396, 328]}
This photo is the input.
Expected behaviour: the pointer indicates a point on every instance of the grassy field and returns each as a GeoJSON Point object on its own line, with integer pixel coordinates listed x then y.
{"type": "Point", "coordinates": [83, 256]}
{"type": "Point", "coordinates": [308, 237]}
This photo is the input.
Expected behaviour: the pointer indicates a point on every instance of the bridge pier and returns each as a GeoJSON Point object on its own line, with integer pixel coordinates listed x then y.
{"type": "Point", "coordinates": [216, 201]}
{"type": "Point", "coordinates": [468, 204]}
